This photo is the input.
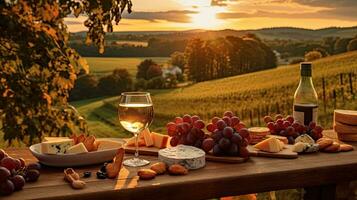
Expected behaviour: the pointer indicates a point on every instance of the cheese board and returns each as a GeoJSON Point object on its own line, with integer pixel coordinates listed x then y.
{"type": "Point", "coordinates": [153, 151]}
{"type": "Point", "coordinates": [285, 153]}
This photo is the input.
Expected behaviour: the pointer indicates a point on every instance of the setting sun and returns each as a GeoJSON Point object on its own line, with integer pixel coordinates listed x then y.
{"type": "Point", "coordinates": [206, 17]}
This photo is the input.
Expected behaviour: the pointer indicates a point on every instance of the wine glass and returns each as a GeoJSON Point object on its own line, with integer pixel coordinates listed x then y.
{"type": "Point", "coordinates": [135, 113]}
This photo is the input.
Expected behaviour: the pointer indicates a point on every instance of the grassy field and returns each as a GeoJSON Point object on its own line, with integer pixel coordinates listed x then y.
{"type": "Point", "coordinates": [102, 66]}
{"type": "Point", "coordinates": [245, 94]}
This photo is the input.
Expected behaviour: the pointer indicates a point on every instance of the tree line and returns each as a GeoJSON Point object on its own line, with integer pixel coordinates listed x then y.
{"type": "Point", "coordinates": [229, 56]}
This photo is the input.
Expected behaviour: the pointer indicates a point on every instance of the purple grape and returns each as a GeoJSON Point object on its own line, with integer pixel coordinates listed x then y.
{"type": "Point", "coordinates": [221, 124]}
{"type": "Point", "coordinates": [198, 143]}
{"type": "Point", "coordinates": [236, 139]}
{"type": "Point", "coordinates": [208, 144]}
{"type": "Point", "coordinates": [217, 151]}
{"type": "Point", "coordinates": [224, 144]}
{"type": "Point", "coordinates": [36, 166]}
{"type": "Point", "coordinates": [4, 174]}
{"type": "Point", "coordinates": [190, 139]}
{"type": "Point", "coordinates": [7, 187]}
{"type": "Point", "coordinates": [32, 175]}
{"type": "Point", "coordinates": [228, 114]}
{"type": "Point", "coordinates": [233, 150]}
{"type": "Point", "coordinates": [217, 135]}
{"type": "Point", "coordinates": [228, 132]}
{"type": "Point", "coordinates": [18, 181]}
{"type": "Point", "coordinates": [291, 140]}
{"type": "Point", "coordinates": [227, 120]}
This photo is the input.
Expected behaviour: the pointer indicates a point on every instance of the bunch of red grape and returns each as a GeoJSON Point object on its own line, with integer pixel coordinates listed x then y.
{"type": "Point", "coordinates": [186, 130]}
{"type": "Point", "coordinates": [14, 173]}
{"type": "Point", "coordinates": [228, 136]}
{"type": "Point", "coordinates": [291, 128]}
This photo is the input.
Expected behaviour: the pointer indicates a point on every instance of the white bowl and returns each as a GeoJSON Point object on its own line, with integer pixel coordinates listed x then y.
{"type": "Point", "coordinates": [80, 159]}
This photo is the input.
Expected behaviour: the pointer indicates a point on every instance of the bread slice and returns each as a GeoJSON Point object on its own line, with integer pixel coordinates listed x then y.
{"type": "Point", "coordinates": [346, 117]}
{"type": "Point", "coordinates": [344, 128]}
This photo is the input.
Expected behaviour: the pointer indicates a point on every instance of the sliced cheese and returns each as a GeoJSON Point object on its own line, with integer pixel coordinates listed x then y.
{"type": "Point", "coordinates": [272, 145]}
{"type": "Point", "coordinates": [147, 138]}
{"type": "Point", "coordinates": [78, 148]}
{"type": "Point", "coordinates": [281, 138]}
{"type": "Point", "coordinates": [344, 128]}
{"type": "Point", "coordinates": [188, 156]}
{"type": "Point", "coordinates": [346, 116]}
{"type": "Point", "coordinates": [47, 139]}
{"type": "Point", "coordinates": [56, 147]}
{"type": "Point", "coordinates": [160, 140]}
{"type": "Point", "coordinates": [108, 144]}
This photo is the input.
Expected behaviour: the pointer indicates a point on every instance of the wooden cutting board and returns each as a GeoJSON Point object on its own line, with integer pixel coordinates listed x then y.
{"type": "Point", "coordinates": [153, 151]}
{"type": "Point", "coordinates": [285, 153]}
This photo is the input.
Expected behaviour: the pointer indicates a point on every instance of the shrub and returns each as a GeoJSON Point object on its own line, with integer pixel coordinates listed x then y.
{"type": "Point", "coordinates": [352, 45]}
{"type": "Point", "coordinates": [143, 68]}
{"type": "Point", "coordinates": [313, 55]}
{"type": "Point", "coordinates": [153, 71]}
{"type": "Point", "coordinates": [141, 84]}
{"type": "Point", "coordinates": [156, 83]}
{"type": "Point", "coordinates": [114, 84]}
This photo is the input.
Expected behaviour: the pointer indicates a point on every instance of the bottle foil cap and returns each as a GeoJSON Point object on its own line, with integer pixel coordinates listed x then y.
{"type": "Point", "coordinates": [305, 68]}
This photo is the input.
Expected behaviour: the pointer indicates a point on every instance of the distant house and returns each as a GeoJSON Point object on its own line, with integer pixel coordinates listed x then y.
{"type": "Point", "coordinates": [171, 70]}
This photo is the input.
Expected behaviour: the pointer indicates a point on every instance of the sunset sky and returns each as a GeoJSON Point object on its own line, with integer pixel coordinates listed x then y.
{"type": "Point", "coordinates": [161, 15]}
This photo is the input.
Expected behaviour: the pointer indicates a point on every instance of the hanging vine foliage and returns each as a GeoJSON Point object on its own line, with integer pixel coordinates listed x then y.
{"type": "Point", "coordinates": [38, 68]}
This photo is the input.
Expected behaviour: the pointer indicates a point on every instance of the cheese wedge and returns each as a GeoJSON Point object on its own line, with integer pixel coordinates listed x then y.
{"type": "Point", "coordinates": [160, 140]}
{"type": "Point", "coordinates": [272, 145]}
{"type": "Point", "coordinates": [78, 148]}
{"type": "Point", "coordinates": [131, 142]}
{"type": "Point", "coordinates": [56, 147]}
{"type": "Point", "coordinates": [344, 128]}
{"type": "Point", "coordinates": [281, 138]}
{"type": "Point", "coordinates": [147, 138]}
{"type": "Point", "coordinates": [346, 116]}
{"type": "Point", "coordinates": [108, 144]}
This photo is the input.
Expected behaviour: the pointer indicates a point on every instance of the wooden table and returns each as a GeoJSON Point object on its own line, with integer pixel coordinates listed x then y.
{"type": "Point", "coordinates": [323, 170]}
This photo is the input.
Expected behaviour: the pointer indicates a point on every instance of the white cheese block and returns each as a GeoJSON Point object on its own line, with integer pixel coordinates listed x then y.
{"type": "Point", "coordinates": [188, 156]}
{"type": "Point", "coordinates": [108, 144]}
{"type": "Point", "coordinates": [305, 138]}
{"type": "Point", "coordinates": [56, 147]}
{"type": "Point", "coordinates": [299, 147]}
{"type": "Point", "coordinates": [78, 148]}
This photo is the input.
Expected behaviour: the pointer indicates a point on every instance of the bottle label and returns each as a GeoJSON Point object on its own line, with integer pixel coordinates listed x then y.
{"type": "Point", "coordinates": [305, 113]}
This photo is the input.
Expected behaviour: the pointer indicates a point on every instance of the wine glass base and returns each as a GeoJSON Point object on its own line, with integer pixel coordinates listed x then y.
{"type": "Point", "coordinates": [135, 162]}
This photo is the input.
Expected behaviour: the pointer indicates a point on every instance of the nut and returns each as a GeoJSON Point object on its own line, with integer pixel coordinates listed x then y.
{"type": "Point", "coordinates": [346, 147]}
{"type": "Point", "coordinates": [78, 184]}
{"type": "Point", "coordinates": [114, 168]}
{"type": "Point", "coordinates": [334, 147]}
{"type": "Point", "coordinates": [323, 143]}
{"type": "Point", "coordinates": [89, 143]}
{"type": "Point", "coordinates": [177, 169]}
{"type": "Point", "coordinates": [146, 174]}
{"type": "Point", "coordinates": [159, 168]}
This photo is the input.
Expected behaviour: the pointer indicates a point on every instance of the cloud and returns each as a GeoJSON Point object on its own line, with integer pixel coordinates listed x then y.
{"type": "Point", "coordinates": [181, 16]}
{"type": "Point", "coordinates": [221, 2]}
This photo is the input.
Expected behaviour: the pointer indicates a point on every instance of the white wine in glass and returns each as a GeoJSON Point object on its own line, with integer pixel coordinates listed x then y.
{"type": "Point", "coordinates": [135, 113]}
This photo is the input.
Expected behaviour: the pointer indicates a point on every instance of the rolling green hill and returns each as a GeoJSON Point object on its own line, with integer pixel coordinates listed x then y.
{"type": "Point", "coordinates": [255, 94]}
{"type": "Point", "coordinates": [101, 66]}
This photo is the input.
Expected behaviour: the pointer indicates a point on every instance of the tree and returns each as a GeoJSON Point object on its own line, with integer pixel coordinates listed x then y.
{"type": "Point", "coordinates": [84, 88]}
{"type": "Point", "coordinates": [178, 59]}
{"type": "Point", "coordinates": [313, 55]}
{"type": "Point", "coordinates": [143, 68]}
{"type": "Point", "coordinates": [38, 68]}
{"type": "Point", "coordinates": [114, 84]}
{"type": "Point", "coordinates": [352, 45]}
{"type": "Point", "coordinates": [341, 45]}
{"type": "Point", "coordinates": [153, 71]}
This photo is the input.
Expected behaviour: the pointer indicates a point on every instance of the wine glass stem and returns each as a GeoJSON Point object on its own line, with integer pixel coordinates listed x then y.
{"type": "Point", "coordinates": [136, 146]}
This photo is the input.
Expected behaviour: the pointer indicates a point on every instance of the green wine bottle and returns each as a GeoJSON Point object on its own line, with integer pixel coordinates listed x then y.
{"type": "Point", "coordinates": [305, 98]}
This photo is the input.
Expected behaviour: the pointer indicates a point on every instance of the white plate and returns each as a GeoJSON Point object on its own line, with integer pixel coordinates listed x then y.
{"type": "Point", "coordinates": [72, 160]}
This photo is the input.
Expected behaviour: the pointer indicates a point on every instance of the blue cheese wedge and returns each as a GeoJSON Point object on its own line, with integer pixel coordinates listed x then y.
{"type": "Point", "coordinates": [187, 156]}
{"type": "Point", "coordinates": [78, 148]}
{"type": "Point", "coordinates": [305, 138]}
{"type": "Point", "coordinates": [56, 146]}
